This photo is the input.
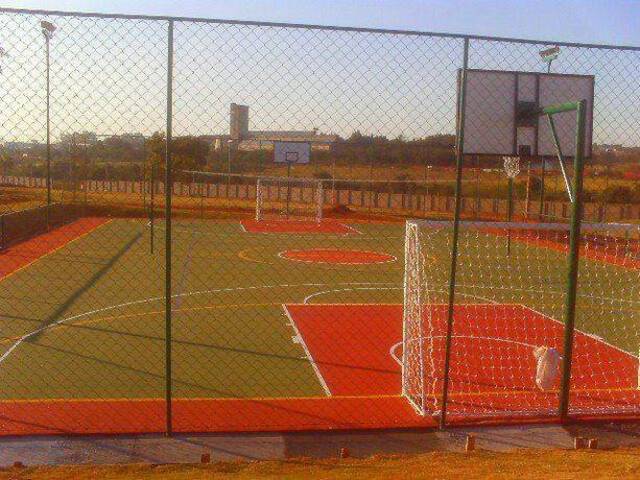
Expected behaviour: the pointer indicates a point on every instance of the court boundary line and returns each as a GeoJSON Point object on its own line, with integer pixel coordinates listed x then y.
{"type": "Point", "coordinates": [317, 294]}
{"type": "Point", "coordinates": [199, 399]}
{"type": "Point", "coordinates": [51, 252]}
{"type": "Point", "coordinates": [582, 332]}
{"type": "Point", "coordinates": [297, 398]}
{"type": "Point", "coordinates": [351, 231]}
{"type": "Point", "coordinates": [282, 254]}
{"type": "Point", "coordinates": [313, 363]}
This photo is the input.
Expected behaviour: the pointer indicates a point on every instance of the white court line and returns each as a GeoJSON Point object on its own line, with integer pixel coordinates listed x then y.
{"type": "Point", "coordinates": [316, 294]}
{"type": "Point", "coordinates": [473, 337]}
{"type": "Point", "coordinates": [307, 352]}
{"type": "Point", "coordinates": [350, 227]}
{"type": "Point", "coordinates": [26, 336]}
{"type": "Point", "coordinates": [283, 253]}
{"type": "Point", "coordinates": [354, 235]}
{"type": "Point", "coordinates": [352, 231]}
{"type": "Point", "coordinates": [581, 332]}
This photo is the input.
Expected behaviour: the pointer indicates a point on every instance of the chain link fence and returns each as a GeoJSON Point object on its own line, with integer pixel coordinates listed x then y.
{"type": "Point", "coordinates": [140, 293]}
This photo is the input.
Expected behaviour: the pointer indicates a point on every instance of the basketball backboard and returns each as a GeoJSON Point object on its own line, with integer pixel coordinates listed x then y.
{"type": "Point", "coordinates": [496, 106]}
{"type": "Point", "coordinates": [291, 152]}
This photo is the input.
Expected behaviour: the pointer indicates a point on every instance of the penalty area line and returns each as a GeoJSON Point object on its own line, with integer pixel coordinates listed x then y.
{"type": "Point", "coordinates": [307, 352]}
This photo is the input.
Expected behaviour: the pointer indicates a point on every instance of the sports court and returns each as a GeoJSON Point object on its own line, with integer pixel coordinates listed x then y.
{"type": "Point", "coordinates": [315, 228]}
{"type": "Point", "coordinates": [263, 342]}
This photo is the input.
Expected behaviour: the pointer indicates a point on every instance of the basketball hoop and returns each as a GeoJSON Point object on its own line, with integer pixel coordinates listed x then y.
{"type": "Point", "coordinates": [511, 166]}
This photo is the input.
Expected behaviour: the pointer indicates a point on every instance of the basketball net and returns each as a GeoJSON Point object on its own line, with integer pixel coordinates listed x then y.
{"type": "Point", "coordinates": [511, 166]}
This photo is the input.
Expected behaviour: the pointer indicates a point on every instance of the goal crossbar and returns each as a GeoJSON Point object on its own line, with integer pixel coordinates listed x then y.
{"type": "Point", "coordinates": [289, 198]}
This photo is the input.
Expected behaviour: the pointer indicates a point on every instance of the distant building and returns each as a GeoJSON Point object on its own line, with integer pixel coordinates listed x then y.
{"type": "Point", "coordinates": [609, 148]}
{"type": "Point", "coordinates": [238, 121]}
{"type": "Point", "coordinates": [241, 138]}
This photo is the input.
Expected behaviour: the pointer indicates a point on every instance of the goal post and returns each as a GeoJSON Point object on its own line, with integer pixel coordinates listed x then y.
{"type": "Point", "coordinates": [510, 308]}
{"type": "Point", "coordinates": [289, 198]}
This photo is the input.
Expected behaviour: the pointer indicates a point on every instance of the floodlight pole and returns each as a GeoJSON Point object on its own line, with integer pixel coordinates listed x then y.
{"type": "Point", "coordinates": [47, 31]}
{"type": "Point", "coordinates": [456, 230]}
{"type": "Point", "coordinates": [48, 125]}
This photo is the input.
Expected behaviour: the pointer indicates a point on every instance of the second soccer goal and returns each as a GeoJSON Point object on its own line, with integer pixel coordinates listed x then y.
{"type": "Point", "coordinates": [286, 198]}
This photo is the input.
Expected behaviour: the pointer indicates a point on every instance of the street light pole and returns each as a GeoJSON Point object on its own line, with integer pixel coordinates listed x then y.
{"type": "Point", "coordinates": [47, 30]}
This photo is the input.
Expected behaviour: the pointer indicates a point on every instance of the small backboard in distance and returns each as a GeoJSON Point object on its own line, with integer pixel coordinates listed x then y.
{"type": "Point", "coordinates": [291, 152]}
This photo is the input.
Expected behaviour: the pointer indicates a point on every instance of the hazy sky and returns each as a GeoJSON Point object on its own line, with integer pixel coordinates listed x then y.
{"type": "Point", "coordinates": [109, 76]}
{"type": "Point", "coordinates": [588, 21]}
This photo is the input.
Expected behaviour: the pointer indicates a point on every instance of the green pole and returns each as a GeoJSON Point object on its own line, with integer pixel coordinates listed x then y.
{"type": "Point", "coordinates": [288, 188]}
{"type": "Point", "coordinates": [542, 179]}
{"type": "Point", "coordinates": [477, 206]}
{"type": "Point", "coordinates": [456, 230]}
{"type": "Point", "coordinates": [152, 206]}
{"type": "Point", "coordinates": [200, 191]}
{"type": "Point", "coordinates": [574, 257]}
{"type": "Point", "coordinates": [168, 191]}
{"type": "Point", "coordinates": [509, 213]}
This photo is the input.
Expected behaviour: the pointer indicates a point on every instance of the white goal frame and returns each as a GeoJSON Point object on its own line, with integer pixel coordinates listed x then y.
{"type": "Point", "coordinates": [426, 283]}
{"type": "Point", "coordinates": [289, 198]}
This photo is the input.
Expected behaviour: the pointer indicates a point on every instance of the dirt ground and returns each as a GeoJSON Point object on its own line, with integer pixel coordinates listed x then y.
{"type": "Point", "coordinates": [529, 464]}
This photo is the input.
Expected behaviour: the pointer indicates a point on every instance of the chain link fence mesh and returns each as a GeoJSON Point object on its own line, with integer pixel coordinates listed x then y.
{"type": "Point", "coordinates": [288, 323]}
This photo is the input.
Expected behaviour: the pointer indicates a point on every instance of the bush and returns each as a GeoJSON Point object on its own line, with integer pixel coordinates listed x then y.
{"type": "Point", "coordinates": [322, 175]}
{"type": "Point", "coordinates": [617, 194]}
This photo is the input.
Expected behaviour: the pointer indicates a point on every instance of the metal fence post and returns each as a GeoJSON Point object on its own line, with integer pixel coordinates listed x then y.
{"type": "Point", "coordinates": [167, 238]}
{"type": "Point", "coordinates": [456, 229]}
{"type": "Point", "coordinates": [152, 206]}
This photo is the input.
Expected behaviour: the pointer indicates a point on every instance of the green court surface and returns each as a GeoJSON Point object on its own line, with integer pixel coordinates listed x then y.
{"type": "Point", "coordinates": [98, 303]}
{"type": "Point", "coordinates": [87, 321]}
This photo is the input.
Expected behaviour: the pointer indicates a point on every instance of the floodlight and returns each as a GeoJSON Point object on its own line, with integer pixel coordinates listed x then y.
{"type": "Point", "coordinates": [47, 29]}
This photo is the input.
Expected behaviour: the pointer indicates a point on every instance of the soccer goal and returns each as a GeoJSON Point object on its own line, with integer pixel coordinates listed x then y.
{"type": "Point", "coordinates": [289, 198]}
{"type": "Point", "coordinates": [508, 327]}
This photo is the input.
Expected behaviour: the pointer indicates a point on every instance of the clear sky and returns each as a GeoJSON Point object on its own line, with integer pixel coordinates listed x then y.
{"type": "Point", "coordinates": [109, 76]}
{"type": "Point", "coordinates": [588, 21]}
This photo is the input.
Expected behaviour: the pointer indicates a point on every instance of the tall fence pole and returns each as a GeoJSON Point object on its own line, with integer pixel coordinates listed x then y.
{"type": "Point", "coordinates": [543, 167]}
{"type": "Point", "coordinates": [574, 258]}
{"type": "Point", "coordinates": [152, 206]}
{"type": "Point", "coordinates": [456, 230]}
{"type": "Point", "coordinates": [168, 191]}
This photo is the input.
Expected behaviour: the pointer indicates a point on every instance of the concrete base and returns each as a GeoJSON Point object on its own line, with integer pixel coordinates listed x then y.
{"type": "Point", "coordinates": [188, 448]}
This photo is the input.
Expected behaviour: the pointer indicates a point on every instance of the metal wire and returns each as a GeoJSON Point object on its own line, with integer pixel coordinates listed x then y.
{"type": "Point", "coordinates": [119, 130]}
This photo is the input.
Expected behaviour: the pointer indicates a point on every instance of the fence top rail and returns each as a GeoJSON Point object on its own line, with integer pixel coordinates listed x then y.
{"type": "Point", "coordinates": [561, 227]}
{"type": "Point", "coordinates": [460, 36]}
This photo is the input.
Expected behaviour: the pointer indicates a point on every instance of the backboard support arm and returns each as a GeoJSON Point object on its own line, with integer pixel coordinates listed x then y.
{"type": "Point", "coordinates": [556, 142]}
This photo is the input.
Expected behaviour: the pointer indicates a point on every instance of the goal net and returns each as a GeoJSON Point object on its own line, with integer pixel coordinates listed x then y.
{"type": "Point", "coordinates": [508, 330]}
{"type": "Point", "coordinates": [287, 198]}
